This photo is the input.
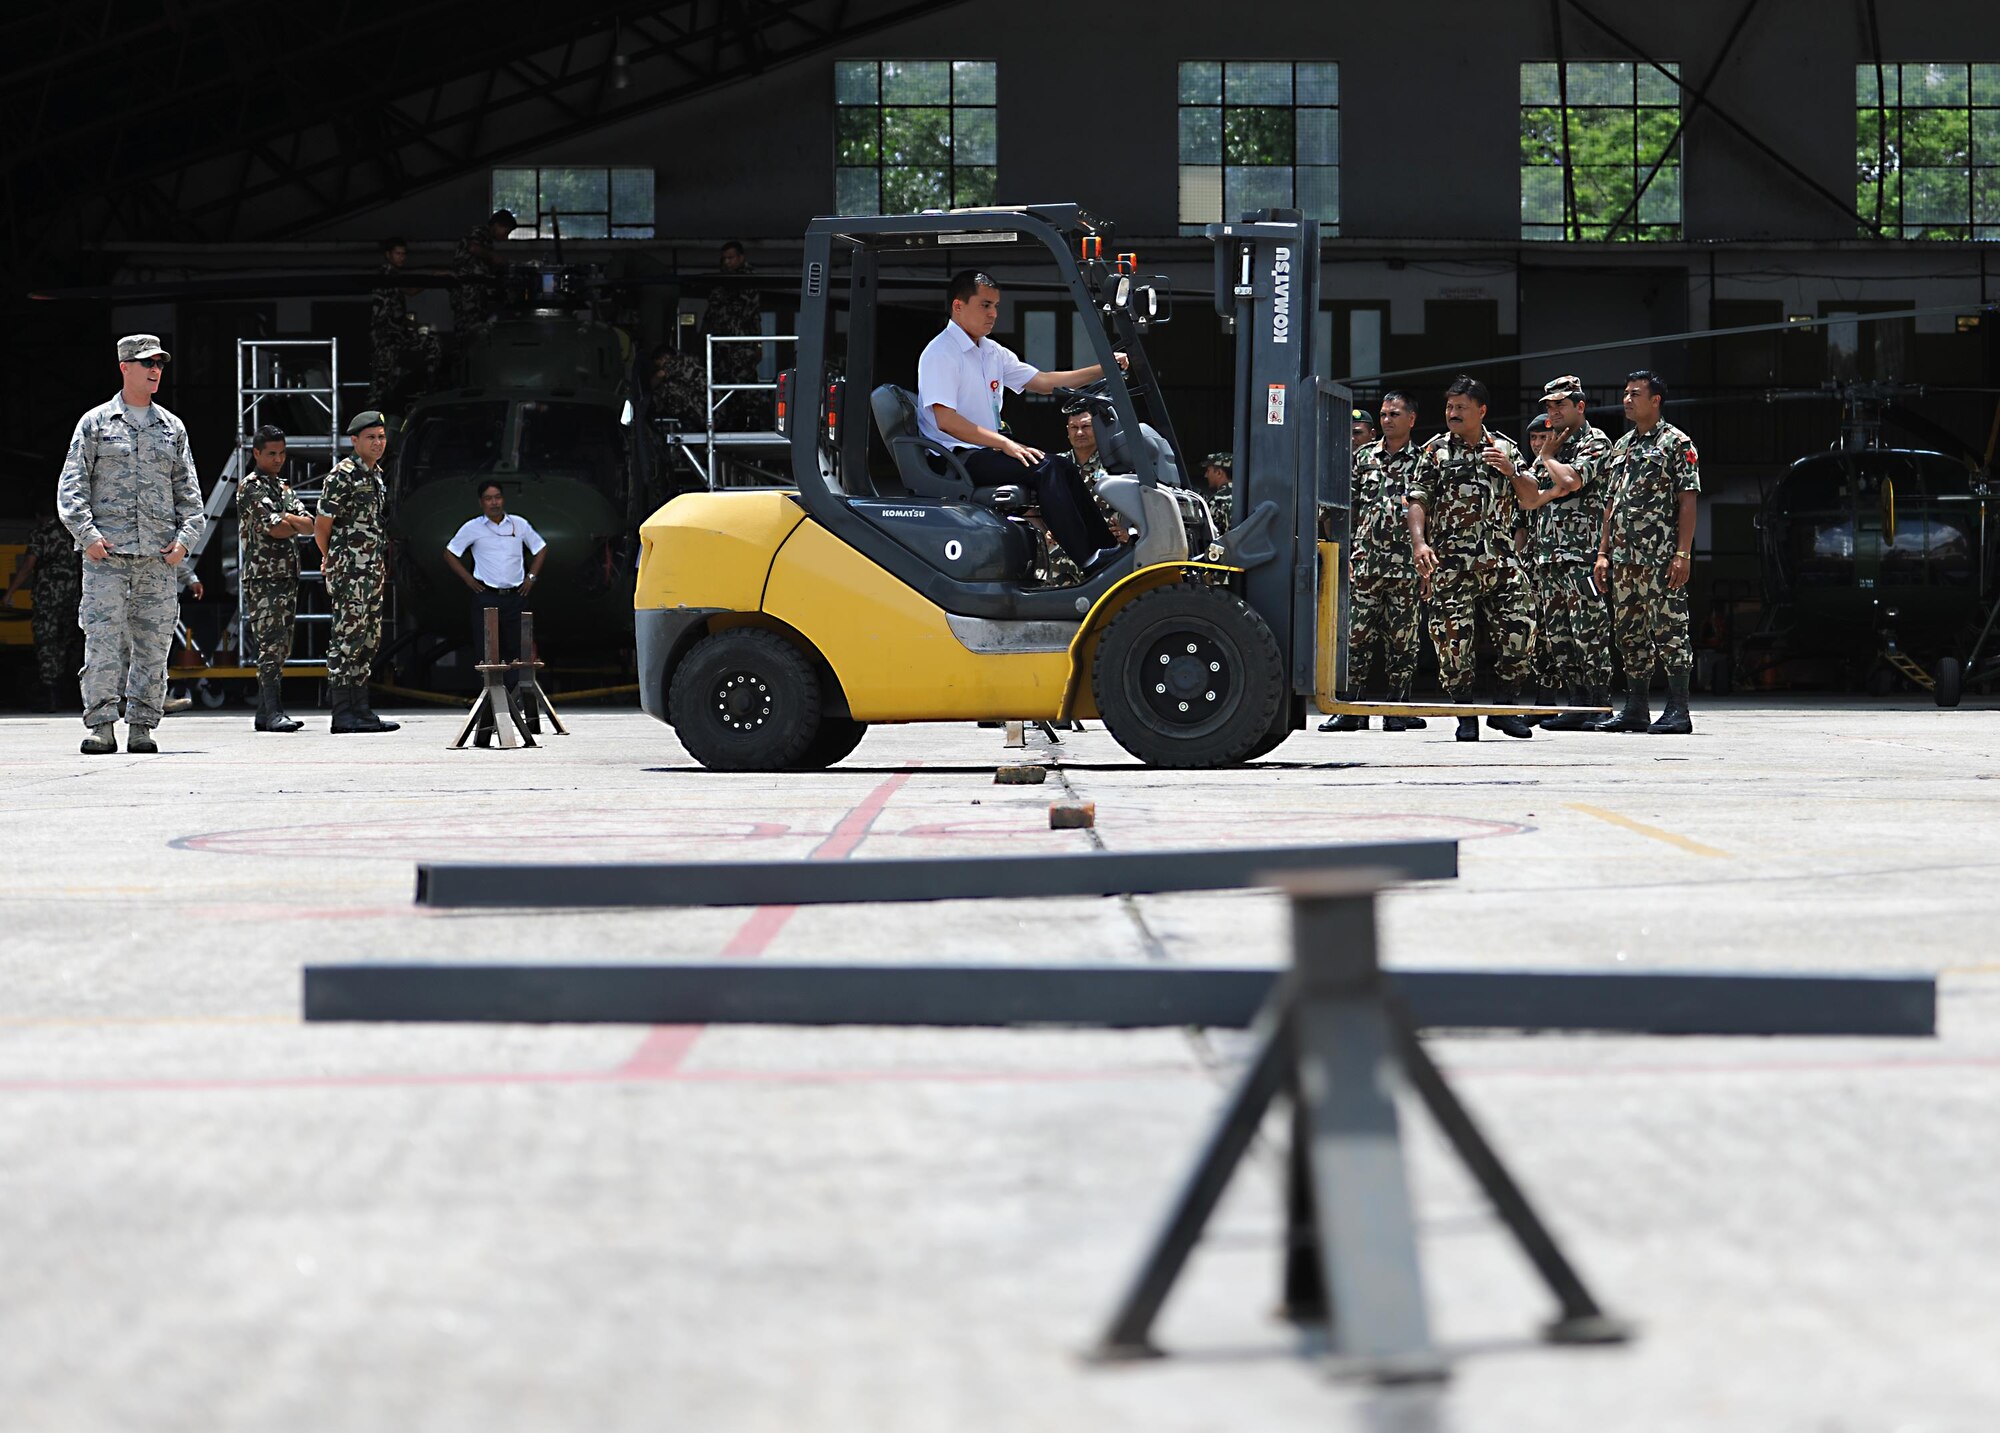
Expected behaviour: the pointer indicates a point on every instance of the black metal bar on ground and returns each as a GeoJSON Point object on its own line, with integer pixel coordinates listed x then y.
{"type": "Point", "coordinates": [1107, 996]}
{"type": "Point", "coordinates": [803, 883]}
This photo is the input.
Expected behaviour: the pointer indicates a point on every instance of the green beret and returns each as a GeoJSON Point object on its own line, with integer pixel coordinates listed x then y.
{"type": "Point", "coordinates": [364, 420]}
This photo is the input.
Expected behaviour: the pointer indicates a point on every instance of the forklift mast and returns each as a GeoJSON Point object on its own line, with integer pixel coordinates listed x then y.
{"type": "Point", "coordinates": [1292, 429]}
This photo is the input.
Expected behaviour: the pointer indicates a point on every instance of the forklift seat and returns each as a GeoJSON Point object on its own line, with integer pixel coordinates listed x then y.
{"type": "Point", "coordinates": [895, 412]}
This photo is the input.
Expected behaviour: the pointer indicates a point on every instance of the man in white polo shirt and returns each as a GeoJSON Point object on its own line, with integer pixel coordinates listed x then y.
{"type": "Point", "coordinates": [497, 541]}
{"type": "Point", "coordinates": [961, 382]}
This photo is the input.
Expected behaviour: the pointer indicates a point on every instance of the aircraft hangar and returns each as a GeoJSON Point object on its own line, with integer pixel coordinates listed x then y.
{"type": "Point", "coordinates": [1242, 886]}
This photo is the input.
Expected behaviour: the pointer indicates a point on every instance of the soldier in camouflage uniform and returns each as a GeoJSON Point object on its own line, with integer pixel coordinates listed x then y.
{"type": "Point", "coordinates": [403, 355]}
{"type": "Point", "coordinates": [271, 521]}
{"type": "Point", "coordinates": [1057, 568]}
{"type": "Point", "coordinates": [735, 309]}
{"type": "Point", "coordinates": [1216, 473]}
{"type": "Point", "coordinates": [1381, 578]}
{"type": "Point", "coordinates": [474, 263]}
{"type": "Point", "coordinates": [354, 554]}
{"type": "Point", "coordinates": [1574, 638]}
{"type": "Point", "coordinates": [1463, 507]}
{"type": "Point", "coordinates": [130, 499]}
{"type": "Point", "coordinates": [53, 573]}
{"type": "Point", "coordinates": [1646, 551]}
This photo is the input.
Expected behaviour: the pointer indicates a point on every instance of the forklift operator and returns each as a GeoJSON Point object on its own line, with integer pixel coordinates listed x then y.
{"type": "Point", "coordinates": [961, 379]}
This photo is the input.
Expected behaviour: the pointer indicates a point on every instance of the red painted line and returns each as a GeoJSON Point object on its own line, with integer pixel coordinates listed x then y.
{"type": "Point", "coordinates": [660, 1054]}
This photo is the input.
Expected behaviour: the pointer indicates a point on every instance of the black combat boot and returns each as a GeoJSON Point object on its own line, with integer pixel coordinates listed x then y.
{"type": "Point", "coordinates": [102, 741]}
{"type": "Point", "coordinates": [1675, 721]}
{"type": "Point", "coordinates": [1468, 726]}
{"type": "Point", "coordinates": [1633, 714]}
{"type": "Point", "coordinates": [1570, 721]}
{"type": "Point", "coordinates": [1401, 723]}
{"type": "Point", "coordinates": [345, 719]}
{"type": "Point", "coordinates": [1347, 721]}
{"type": "Point", "coordinates": [1511, 725]}
{"type": "Point", "coordinates": [365, 714]}
{"type": "Point", "coordinates": [271, 709]}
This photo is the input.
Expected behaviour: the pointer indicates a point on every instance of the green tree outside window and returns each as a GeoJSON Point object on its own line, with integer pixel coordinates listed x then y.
{"type": "Point", "coordinates": [587, 202]}
{"type": "Point", "coordinates": [1927, 151]}
{"type": "Point", "coordinates": [1605, 165]}
{"type": "Point", "coordinates": [910, 135]}
{"type": "Point", "coordinates": [1258, 134]}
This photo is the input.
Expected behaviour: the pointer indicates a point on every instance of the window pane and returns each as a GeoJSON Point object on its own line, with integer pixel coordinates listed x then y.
{"type": "Point", "coordinates": [1659, 129]}
{"type": "Point", "coordinates": [855, 191]}
{"type": "Point", "coordinates": [1257, 136]}
{"type": "Point", "coordinates": [1319, 193]}
{"type": "Point", "coordinates": [1601, 196]}
{"type": "Point", "coordinates": [854, 136]}
{"type": "Point", "coordinates": [1656, 88]}
{"type": "Point", "coordinates": [1319, 83]}
{"type": "Point", "coordinates": [1538, 84]}
{"type": "Point", "coordinates": [1986, 196]}
{"type": "Point", "coordinates": [583, 226]}
{"type": "Point", "coordinates": [514, 190]}
{"type": "Point", "coordinates": [1934, 84]}
{"type": "Point", "coordinates": [1201, 194]}
{"type": "Point", "coordinates": [1258, 82]}
{"type": "Point", "coordinates": [1600, 82]}
{"type": "Point", "coordinates": [1986, 136]}
{"type": "Point", "coordinates": [573, 191]}
{"type": "Point", "coordinates": [1661, 203]}
{"type": "Point", "coordinates": [973, 139]}
{"type": "Point", "coordinates": [916, 137]}
{"type": "Point", "coordinates": [975, 185]}
{"type": "Point", "coordinates": [1541, 195]}
{"type": "Point", "coordinates": [1256, 187]}
{"type": "Point", "coordinates": [855, 82]}
{"type": "Point", "coordinates": [631, 231]}
{"type": "Point", "coordinates": [1935, 196]}
{"type": "Point", "coordinates": [1201, 82]}
{"type": "Point", "coordinates": [632, 196]}
{"type": "Point", "coordinates": [1201, 135]}
{"type": "Point", "coordinates": [974, 82]}
{"type": "Point", "coordinates": [1541, 136]}
{"type": "Point", "coordinates": [1986, 84]}
{"type": "Point", "coordinates": [916, 82]}
{"type": "Point", "coordinates": [1865, 90]}
{"type": "Point", "coordinates": [909, 190]}
{"type": "Point", "coordinates": [1319, 136]}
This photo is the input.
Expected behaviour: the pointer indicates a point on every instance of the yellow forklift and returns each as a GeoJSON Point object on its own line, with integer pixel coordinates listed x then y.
{"type": "Point", "coordinates": [773, 626]}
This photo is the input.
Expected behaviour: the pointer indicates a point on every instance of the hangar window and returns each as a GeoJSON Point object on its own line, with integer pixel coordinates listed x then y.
{"type": "Point", "coordinates": [911, 135]}
{"type": "Point", "coordinates": [1927, 151]}
{"type": "Point", "coordinates": [1600, 150]}
{"type": "Point", "coordinates": [1259, 134]}
{"type": "Point", "coordinates": [588, 203]}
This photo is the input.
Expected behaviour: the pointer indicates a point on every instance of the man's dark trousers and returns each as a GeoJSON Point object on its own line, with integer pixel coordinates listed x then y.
{"type": "Point", "coordinates": [1059, 491]}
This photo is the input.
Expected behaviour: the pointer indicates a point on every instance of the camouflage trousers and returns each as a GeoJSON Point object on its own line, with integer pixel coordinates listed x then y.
{"type": "Point", "coordinates": [1652, 622]}
{"type": "Point", "coordinates": [58, 644]}
{"type": "Point", "coordinates": [1497, 596]}
{"type": "Point", "coordinates": [355, 594]}
{"type": "Point", "coordinates": [398, 356]}
{"type": "Point", "coordinates": [1382, 611]}
{"type": "Point", "coordinates": [1573, 642]}
{"type": "Point", "coordinates": [270, 607]}
{"type": "Point", "coordinates": [127, 615]}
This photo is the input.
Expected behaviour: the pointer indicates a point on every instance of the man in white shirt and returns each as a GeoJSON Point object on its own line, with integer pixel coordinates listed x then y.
{"type": "Point", "coordinates": [961, 381]}
{"type": "Point", "coordinates": [499, 577]}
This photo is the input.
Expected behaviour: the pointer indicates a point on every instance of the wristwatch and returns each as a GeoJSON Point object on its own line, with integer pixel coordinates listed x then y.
{"type": "Point", "coordinates": [1688, 555]}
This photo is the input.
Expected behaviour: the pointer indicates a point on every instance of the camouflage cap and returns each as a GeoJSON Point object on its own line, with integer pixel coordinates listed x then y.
{"type": "Point", "coordinates": [140, 345]}
{"type": "Point", "coordinates": [1567, 386]}
{"type": "Point", "coordinates": [1224, 461]}
{"type": "Point", "coordinates": [363, 421]}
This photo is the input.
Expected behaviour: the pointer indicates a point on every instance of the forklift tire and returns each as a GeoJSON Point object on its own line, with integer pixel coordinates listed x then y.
{"type": "Point", "coordinates": [838, 736]}
{"type": "Point", "coordinates": [1189, 676]}
{"type": "Point", "coordinates": [1950, 684]}
{"type": "Point", "coordinates": [745, 700]}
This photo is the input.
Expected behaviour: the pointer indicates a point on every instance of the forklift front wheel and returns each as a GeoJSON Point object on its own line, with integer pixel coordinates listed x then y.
{"type": "Point", "coordinates": [838, 736]}
{"type": "Point", "coordinates": [1188, 676]}
{"type": "Point", "coordinates": [745, 699]}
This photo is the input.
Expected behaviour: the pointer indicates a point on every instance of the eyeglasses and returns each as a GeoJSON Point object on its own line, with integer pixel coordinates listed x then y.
{"type": "Point", "coordinates": [152, 362]}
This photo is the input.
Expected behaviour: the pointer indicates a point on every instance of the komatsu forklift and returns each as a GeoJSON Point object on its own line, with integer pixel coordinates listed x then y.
{"type": "Point", "coordinates": [773, 626]}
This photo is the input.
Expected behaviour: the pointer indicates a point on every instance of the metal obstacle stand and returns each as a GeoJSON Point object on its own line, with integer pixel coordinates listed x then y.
{"type": "Point", "coordinates": [495, 701]}
{"type": "Point", "coordinates": [1337, 1043]}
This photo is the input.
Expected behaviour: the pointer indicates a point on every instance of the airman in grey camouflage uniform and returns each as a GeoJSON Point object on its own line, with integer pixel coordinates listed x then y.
{"type": "Point", "coordinates": [1574, 639]}
{"type": "Point", "coordinates": [1646, 548]}
{"type": "Point", "coordinates": [130, 499]}
{"type": "Point", "coordinates": [271, 521]}
{"type": "Point", "coordinates": [1217, 470]}
{"type": "Point", "coordinates": [1462, 517]}
{"type": "Point", "coordinates": [52, 572]}
{"type": "Point", "coordinates": [1381, 576]}
{"type": "Point", "coordinates": [354, 550]}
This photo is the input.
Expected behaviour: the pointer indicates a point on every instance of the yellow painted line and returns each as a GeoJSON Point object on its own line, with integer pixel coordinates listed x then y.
{"type": "Point", "coordinates": [1693, 848]}
{"type": "Point", "coordinates": [1986, 968]}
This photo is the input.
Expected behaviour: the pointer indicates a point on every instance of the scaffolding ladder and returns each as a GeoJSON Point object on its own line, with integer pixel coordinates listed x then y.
{"type": "Point", "coordinates": [700, 447]}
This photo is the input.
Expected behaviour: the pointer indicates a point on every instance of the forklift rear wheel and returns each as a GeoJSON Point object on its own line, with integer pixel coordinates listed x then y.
{"type": "Point", "coordinates": [1950, 683]}
{"type": "Point", "coordinates": [1189, 676]}
{"type": "Point", "coordinates": [838, 736]}
{"type": "Point", "coordinates": [745, 700]}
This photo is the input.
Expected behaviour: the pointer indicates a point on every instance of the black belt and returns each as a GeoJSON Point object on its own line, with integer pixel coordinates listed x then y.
{"type": "Point", "coordinates": [499, 591]}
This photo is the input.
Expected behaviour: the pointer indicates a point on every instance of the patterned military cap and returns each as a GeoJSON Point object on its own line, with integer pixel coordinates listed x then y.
{"type": "Point", "coordinates": [140, 345]}
{"type": "Point", "coordinates": [1224, 461]}
{"type": "Point", "coordinates": [1567, 386]}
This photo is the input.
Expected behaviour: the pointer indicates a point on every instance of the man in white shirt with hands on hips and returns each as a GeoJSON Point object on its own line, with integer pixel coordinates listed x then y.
{"type": "Point", "coordinates": [962, 379]}
{"type": "Point", "coordinates": [501, 577]}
